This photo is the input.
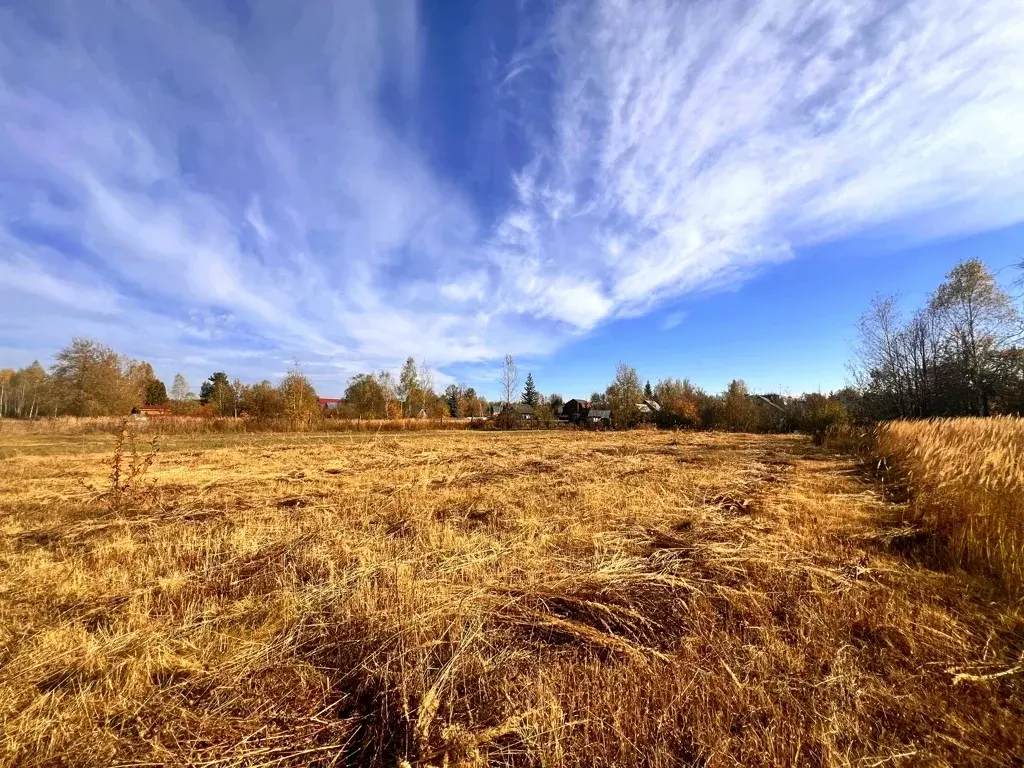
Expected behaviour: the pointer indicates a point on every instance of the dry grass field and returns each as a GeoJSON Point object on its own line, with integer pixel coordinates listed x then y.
{"type": "Point", "coordinates": [964, 479]}
{"type": "Point", "coordinates": [469, 599]}
{"type": "Point", "coordinates": [203, 425]}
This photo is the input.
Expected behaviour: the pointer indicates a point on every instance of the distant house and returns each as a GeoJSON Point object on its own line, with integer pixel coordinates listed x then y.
{"type": "Point", "coordinates": [146, 411]}
{"type": "Point", "coordinates": [508, 416]}
{"type": "Point", "coordinates": [329, 403]}
{"type": "Point", "coordinates": [599, 417]}
{"type": "Point", "coordinates": [516, 410]}
{"type": "Point", "coordinates": [520, 410]}
{"type": "Point", "coordinates": [648, 410]}
{"type": "Point", "coordinates": [575, 409]}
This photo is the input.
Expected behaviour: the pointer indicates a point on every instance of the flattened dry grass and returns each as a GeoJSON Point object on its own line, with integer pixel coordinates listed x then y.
{"type": "Point", "coordinates": [965, 482]}
{"type": "Point", "coordinates": [459, 599]}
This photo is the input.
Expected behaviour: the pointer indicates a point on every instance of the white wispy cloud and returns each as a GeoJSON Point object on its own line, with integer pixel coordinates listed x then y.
{"type": "Point", "coordinates": [672, 320]}
{"type": "Point", "coordinates": [76, 291]}
{"type": "Point", "coordinates": [198, 187]}
{"type": "Point", "coordinates": [194, 182]}
{"type": "Point", "coordinates": [692, 142]}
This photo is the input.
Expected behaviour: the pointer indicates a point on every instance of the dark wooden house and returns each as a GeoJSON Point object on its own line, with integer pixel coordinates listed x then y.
{"type": "Point", "coordinates": [575, 410]}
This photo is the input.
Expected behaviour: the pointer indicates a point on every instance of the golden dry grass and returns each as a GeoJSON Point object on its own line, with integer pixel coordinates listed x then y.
{"type": "Point", "coordinates": [200, 425]}
{"type": "Point", "coordinates": [461, 598]}
{"type": "Point", "coordinates": [965, 482]}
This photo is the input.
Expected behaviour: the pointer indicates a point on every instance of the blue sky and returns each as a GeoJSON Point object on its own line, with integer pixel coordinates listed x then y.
{"type": "Point", "coordinates": [704, 189]}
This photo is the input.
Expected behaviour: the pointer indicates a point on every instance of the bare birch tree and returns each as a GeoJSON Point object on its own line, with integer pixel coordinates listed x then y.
{"type": "Point", "coordinates": [6, 377]}
{"type": "Point", "coordinates": [180, 390]}
{"type": "Point", "coordinates": [509, 378]}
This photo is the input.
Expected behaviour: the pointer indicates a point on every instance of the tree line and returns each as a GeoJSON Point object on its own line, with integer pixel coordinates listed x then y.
{"type": "Point", "coordinates": [960, 354]}
{"type": "Point", "coordinates": [88, 378]}
{"type": "Point", "coordinates": [681, 404]}
{"type": "Point", "coordinates": [378, 395]}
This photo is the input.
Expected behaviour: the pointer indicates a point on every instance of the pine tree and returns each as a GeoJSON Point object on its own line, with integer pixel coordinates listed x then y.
{"type": "Point", "coordinates": [530, 394]}
{"type": "Point", "coordinates": [648, 392]}
{"type": "Point", "coordinates": [156, 392]}
{"type": "Point", "coordinates": [452, 395]}
{"type": "Point", "coordinates": [218, 391]}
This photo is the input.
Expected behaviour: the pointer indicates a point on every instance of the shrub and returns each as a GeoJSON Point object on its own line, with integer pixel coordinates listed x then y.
{"type": "Point", "coordinates": [819, 415]}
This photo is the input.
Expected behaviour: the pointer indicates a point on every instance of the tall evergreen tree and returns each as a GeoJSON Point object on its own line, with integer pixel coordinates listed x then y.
{"type": "Point", "coordinates": [156, 392]}
{"type": "Point", "coordinates": [648, 392]}
{"type": "Point", "coordinates": [452, 395]}
{"type": "Point", "coordinates": [530, 394]}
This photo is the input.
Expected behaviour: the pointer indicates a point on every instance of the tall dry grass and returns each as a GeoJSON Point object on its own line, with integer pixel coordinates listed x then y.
{"type": "Point", "coordinates": [467, 599]}
{"type": "Point", "coordinates": [197, 425]}
{"type": "Point", "coordinates": [964, 480]}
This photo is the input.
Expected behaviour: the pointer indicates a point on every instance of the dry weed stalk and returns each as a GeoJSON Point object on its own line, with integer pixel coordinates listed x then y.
{"type": "Point", "coordinates": [127, 484]}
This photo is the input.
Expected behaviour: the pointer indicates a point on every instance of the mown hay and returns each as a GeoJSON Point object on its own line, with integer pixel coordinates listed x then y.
{"type": "Point", "coordinates": [468, 599]}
